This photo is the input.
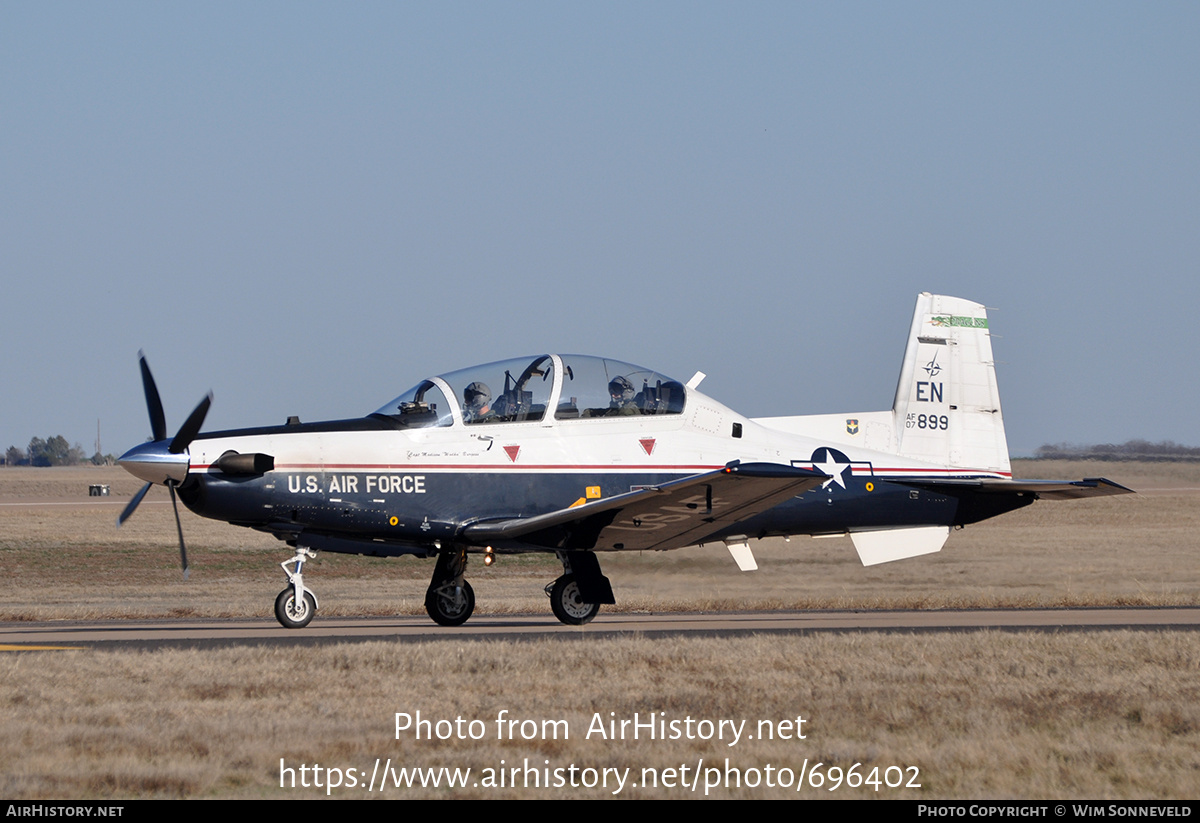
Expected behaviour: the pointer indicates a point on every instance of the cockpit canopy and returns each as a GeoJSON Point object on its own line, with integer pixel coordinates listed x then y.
{"type": "Point", "coordinates": [523, 389]}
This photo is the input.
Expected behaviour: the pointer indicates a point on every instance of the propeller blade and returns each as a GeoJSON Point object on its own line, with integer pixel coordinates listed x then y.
{"type": "Point", "coordinates": [137, 460]}
{"type": "Point", "coordinates": [158, 420]}
{"type": "Point", "coordinates": [133, 504]}
{"type": "Point", "coordinates": [191, 426]}
{"type": "Point", "coordinates": [179, 528]}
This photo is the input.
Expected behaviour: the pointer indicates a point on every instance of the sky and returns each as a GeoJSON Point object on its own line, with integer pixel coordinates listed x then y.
{"type": "Point", "coordinates": [308, 207]}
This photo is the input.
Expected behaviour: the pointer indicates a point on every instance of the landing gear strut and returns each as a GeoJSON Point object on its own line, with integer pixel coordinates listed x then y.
{"type": "Point", "coordinates": [296, 606]}
{"type": "Point", "coordinates": [450, 599]}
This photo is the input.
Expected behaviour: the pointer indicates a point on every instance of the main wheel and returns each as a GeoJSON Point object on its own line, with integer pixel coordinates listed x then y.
{"type": "Point", "coordinates": [292, 615]}
{"type": "Point", "coordinates": [450, 605]}
{"type": "Point", "coordinates": [567, 605]}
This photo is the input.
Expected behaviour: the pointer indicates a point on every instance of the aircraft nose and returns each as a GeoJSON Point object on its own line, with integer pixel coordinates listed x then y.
{"type": "Point", "coordinates": [154, 462]}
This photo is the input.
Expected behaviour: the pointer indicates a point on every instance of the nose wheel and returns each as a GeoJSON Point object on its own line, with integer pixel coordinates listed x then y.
{"type": "Point", "coordinates": [292, 613]}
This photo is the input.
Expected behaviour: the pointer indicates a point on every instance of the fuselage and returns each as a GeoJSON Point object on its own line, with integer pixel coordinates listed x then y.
{"type": "Point", "coordinates": [406, 487]}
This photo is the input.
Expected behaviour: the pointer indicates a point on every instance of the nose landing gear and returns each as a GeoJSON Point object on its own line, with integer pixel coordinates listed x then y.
{"type": "Point", "coordinates": [296, 606]}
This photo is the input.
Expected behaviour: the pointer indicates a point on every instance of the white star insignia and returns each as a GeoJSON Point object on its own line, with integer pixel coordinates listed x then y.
{"type": "Point", "coordinates": [834, 469]}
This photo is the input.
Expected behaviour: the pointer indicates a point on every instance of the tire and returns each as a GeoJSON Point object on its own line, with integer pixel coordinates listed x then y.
{"type": "Point", "coordinates": [291, 617]}
{"type": "Point", "coordinates": [445, 609]}
{"type": "Point", "coordinates": [567, 605]}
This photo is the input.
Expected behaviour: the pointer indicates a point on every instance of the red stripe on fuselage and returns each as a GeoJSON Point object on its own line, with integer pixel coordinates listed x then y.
{"type": "Point", "coordinates": [479, 466]}
{"type": "Point", "coordinates": [860, 470]}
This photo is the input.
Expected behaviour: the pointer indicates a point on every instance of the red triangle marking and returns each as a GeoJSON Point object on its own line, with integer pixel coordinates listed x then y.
{"type": "Point", "coordinates": [647, 444]}
{"type": "Point", "coordinates": [512, 451]}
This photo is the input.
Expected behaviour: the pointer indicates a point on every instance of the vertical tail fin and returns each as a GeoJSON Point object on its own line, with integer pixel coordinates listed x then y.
{"type": "Point", "coordinates": [947, 407]}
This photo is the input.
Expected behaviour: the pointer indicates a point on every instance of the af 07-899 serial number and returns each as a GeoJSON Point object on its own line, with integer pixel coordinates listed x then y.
{"type": "Point", "coordinates": [927, 421]}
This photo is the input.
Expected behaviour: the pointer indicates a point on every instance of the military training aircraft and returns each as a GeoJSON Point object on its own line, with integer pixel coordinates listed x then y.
{"type": "Point", "coordinates": [577, 455]}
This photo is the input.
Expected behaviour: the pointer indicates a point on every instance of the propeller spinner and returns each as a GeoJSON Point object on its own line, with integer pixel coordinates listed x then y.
{"type": "Point", "coordinates": [160, 461]}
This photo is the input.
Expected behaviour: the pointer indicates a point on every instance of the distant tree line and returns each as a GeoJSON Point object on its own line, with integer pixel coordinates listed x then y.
{"type": "Point", "coordinates": [55, 451]}
{"type": "Point", "coordinates": [1167, 450]}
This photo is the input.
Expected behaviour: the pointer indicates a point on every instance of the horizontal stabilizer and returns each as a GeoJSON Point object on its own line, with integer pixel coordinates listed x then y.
{"type": "Point", "coordinates": [897, 544]}
{"type": "Point", "coordinates": [1072, 489]}
{"type": "Point", "coordinates": [1041, 489]}
{"type": "Point", "coordinates": [670, 516]}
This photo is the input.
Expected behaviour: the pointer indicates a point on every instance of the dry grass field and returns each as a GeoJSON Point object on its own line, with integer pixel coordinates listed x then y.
{"type": "Point", "coordinates": [1111, 715]}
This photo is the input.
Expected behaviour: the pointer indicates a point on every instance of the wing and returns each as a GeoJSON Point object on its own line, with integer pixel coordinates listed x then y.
{"type": "Point", "coordinates": [1040, 489]}
{"type": "Point", "coordinates": [670, 516]}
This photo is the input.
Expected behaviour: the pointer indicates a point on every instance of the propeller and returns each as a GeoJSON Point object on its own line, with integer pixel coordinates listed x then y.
{"type": "Point", "coordinates": [158, 461]}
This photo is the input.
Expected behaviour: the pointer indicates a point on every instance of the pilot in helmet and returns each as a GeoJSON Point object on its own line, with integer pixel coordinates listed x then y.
{"type": "Point", "coordinates": [477, 402]}
{"type": "Point", "coordinates": [622, 396]}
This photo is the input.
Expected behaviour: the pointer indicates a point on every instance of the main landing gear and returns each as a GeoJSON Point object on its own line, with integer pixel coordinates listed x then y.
{"type": "Point", "coordinates": [575, 598]}
{"type": "Point", "coordinates": [450, 600]}
{"type": "Point", "coordinates": [567, 603]}
{"type": "Point", "coordinates": [296, 606]}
